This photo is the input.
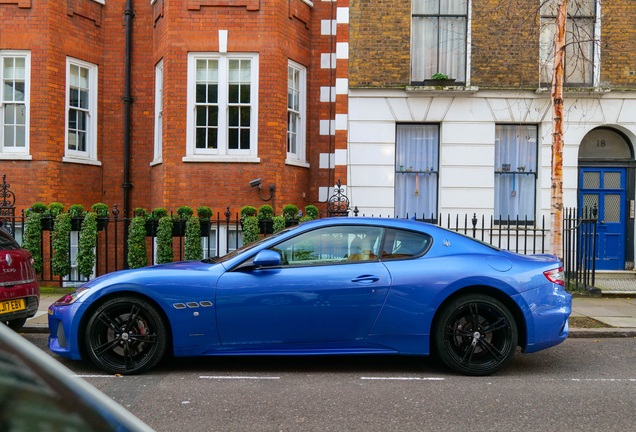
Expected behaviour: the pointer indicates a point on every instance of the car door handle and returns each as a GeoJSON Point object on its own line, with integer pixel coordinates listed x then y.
{"type": "Point", "coordinates": [366, 279]}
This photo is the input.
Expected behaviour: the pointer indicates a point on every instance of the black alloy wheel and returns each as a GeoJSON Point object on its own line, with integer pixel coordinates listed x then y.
{"type": "Point", "coordinates": [476, 335]}
{"type": "Point", "coordinates": [126, 335]}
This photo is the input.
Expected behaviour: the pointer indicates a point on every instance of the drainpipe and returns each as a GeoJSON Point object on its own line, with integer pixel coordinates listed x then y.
{"type": "Point", "coordinates": [127, 185]}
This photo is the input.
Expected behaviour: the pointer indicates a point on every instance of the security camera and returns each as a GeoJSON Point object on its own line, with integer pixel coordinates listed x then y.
{"type": "Point", "coordinates": [255, 183]}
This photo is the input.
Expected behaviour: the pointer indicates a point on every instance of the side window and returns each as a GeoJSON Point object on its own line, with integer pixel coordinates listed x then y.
{"type": "Point", "coordinates": [400, 244]}
{"type": "Point", "coordinates": [331, 245]}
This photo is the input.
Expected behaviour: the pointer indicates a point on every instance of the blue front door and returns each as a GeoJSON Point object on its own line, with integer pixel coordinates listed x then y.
{"type": "Point", "coordinates": [606, 188]}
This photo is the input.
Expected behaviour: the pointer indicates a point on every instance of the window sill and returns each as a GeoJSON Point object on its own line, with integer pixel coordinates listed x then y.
{"type": "Point", "coordinates": [440, 90]}
{"type": "Point", "coordinates": [15, 156]}
{"type": "Point", "coordinates": [575, 91]}
{"type": "Point", "coordinates": [81, 161]}
{"type": "Point", "coordinates": [156, 162]}
{"type": "Point", "coordinates": [221, 158]}
{"type": "Point", "coordinates": [296, 162]}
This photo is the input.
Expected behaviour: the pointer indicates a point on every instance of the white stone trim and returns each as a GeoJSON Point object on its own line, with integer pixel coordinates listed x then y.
{"type": "Point", "coordinates": [342, 15]}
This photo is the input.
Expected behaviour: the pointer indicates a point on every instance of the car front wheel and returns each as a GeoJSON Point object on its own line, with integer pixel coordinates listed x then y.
{"type": "Point", "coordinates": [476, 335]}
{"type": "Point", "coordinates": [126, 335]}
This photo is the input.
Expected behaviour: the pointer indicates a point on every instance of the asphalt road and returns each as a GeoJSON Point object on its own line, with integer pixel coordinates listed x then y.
{"type": "Point", "coordinates": [580, 385]}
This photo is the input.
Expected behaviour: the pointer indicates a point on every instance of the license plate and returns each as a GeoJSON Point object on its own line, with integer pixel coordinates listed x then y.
{"type": "Point", "coordinates": [11, 306]}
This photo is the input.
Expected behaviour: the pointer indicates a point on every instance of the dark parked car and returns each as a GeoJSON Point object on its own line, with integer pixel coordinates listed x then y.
{"type": "Point", "coordinates": [39, 394]}
{"type": "Point", "coordinates": [19, 289]}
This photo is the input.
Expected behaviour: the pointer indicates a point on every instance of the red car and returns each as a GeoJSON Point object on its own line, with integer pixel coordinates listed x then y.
{"type": "Point", "coordinates": [19, 289]}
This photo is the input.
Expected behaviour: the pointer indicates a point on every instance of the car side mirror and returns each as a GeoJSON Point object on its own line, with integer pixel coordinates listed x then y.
{"type": "Point", "coordinates": [266, 258]}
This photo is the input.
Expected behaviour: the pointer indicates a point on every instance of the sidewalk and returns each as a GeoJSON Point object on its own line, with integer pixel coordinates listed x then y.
{"type": "Point", "coordinates": [616, 312]}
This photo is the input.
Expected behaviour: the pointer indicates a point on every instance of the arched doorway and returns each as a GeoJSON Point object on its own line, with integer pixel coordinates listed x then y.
{"type": "Point", "coordinates": [606, 180]}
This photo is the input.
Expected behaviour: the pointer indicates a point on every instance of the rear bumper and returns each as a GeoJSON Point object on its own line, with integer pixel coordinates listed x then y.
{"type": "Point", "coordinates": [547, 310]}
{"type": "Point", "coordinates": [30, 292]}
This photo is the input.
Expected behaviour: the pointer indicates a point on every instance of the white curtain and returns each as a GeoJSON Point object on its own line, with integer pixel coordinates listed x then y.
{"type": "Point", "coordinates": [452, 47]}
{"type": "Point", "coordinates": [515, 171]}
{"type": "Point", "coordinates": [416, 166]}
{"type": "Point", "coordinates": [424, 50]}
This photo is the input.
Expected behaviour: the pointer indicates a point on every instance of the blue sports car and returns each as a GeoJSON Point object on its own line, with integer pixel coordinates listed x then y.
{"type": "Point", "coordinates": [332, 286]}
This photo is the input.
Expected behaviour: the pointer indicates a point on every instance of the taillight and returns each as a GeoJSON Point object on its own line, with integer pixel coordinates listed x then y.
{"type": "Point", "coordinates": [31, 260]}
{"type": "Point", "coordinates": [71, 297]}
{"type": "Point", "coordinates": [556, 276]}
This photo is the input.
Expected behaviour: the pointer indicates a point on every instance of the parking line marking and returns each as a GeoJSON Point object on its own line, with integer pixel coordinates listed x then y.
{"type": "Point", "coordinates": [401, 379]}
{"type": "Point", "coordinates": [240, 377]}
{"type": "Point", "coordinates": [95, 376]}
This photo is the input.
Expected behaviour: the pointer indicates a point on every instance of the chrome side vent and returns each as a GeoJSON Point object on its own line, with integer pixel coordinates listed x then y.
{"type": "Point", "coordinates": [179, 306]}
{"type": "Point", "coordinates": [206, 303]}
{"type": "Point", "coordinates": [193, 304]}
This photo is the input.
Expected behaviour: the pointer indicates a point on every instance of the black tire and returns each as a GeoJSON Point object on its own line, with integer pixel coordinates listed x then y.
{"type": "Point", "coordinates": [16, 324]}
{"type": "Point", "coordinates": [126, 335]}
{"type": "Point", "coordinates": [475, 334]}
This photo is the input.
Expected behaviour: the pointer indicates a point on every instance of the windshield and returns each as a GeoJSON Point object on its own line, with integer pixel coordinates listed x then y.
{"type": "Point", "coordinates": [247, 247]}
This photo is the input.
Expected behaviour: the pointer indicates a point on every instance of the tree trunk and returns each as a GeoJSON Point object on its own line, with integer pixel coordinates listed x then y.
{"type": "Point", "coordinates": [556, 199]}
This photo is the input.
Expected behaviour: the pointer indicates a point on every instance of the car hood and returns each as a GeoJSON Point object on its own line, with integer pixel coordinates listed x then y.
{"type": "Point", "coordinates": [145, 275]}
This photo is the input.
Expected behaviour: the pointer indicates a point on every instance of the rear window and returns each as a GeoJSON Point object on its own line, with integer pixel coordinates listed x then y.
{"type": "Point", "coordinates": [7, 242]}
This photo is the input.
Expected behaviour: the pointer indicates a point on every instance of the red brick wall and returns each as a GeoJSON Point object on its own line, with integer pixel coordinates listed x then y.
{"type": "Point", "coordinates": [52, 30]}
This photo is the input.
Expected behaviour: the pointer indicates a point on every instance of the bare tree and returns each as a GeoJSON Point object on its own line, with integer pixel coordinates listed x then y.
{"type": "Point", "coordinates": [556, 198]}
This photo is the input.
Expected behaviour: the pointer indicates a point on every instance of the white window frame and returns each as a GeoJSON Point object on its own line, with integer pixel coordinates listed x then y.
{"type": "Point", "coordinates": [88, 157]}
{"type": "Point", "coordinates": [158, 152]}
{"type": "Point", "coordinates": [21, 153]}
{"type": "Point", "coordinates": [221, 153]}
{"type": "Point", "coordinates": [299, 158]}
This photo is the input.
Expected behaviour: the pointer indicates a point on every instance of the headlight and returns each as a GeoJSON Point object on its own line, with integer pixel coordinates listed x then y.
{"type": "Point", "coordinates": [71, 297]}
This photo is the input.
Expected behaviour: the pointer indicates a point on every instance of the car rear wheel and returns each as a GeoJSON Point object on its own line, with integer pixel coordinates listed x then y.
{"type": "Point", "coordinates": [126, 335]}
{"type": "Point", "coordinates": [476, 335]}
{"type": "Point", "coordinates": [16, 324]}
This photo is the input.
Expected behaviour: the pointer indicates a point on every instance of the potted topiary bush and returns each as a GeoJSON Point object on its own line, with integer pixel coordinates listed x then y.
{"type": "Point", "coordinates": [55, 208]}
{"type": "Point", "coordinates": [204, 214]}
{"type": "Point", "coordinates": [101, 213]}
{"type": "Point", "coordinates": [265, 215]}
{"type": "Point", "coordinates": [248, 211]}
{"type": "Point", "coordinates": [165, 253]}
{"type": "Point", "coordinates": [77, 216]}
{"type": "Point", "coordinates": [290, 213]}
{"type": "Point", "coordinates": [184, 212]}
{"type": "Point", "coordinates": [312, 212]}
{"type": "Point", "coordinates": [45, 220]}
{"type": "Point", "coordinates": [193, 247]}
{"type": "Point", "coordinates": [87, 244]}
{"type": "Point", "coordinates": [152, 221]}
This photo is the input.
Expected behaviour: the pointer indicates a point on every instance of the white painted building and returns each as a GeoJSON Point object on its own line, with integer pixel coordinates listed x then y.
{"type": "Point", "coordinates": [472, 125]}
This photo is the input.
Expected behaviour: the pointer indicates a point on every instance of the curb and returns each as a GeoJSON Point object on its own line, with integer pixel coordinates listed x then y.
{"type": "Point", "coordinates": [577, 333]}
{"type": "Point", "coordinates": [34, 328]}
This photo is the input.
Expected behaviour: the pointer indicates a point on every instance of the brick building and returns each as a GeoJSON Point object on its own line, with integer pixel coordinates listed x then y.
{"type": "Point", "coordinates": [222, 92]}
{"type": "Point", "coordinates": [482, 144]}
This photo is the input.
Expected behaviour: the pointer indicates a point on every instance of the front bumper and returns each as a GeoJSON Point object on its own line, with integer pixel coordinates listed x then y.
{"type": "Point", "coordinates": [547, 310]}
{"type": "Point", "coordinates": [62, 340]}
